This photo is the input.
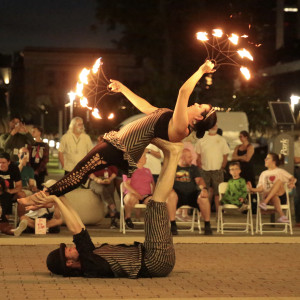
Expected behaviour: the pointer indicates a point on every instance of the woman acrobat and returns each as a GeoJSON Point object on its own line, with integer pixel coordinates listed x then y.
{"type": "Point", "coordinates": [125, 147]}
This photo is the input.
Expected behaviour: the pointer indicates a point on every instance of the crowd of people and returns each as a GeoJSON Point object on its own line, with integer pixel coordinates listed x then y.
{"type": "Point", "coordinates": [201, 168]}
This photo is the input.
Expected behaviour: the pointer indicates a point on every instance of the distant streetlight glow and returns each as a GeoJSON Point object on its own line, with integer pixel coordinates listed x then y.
{"type": "Point", "coordinates": [294, 100]}
{"type": "Point", "coordinates": [291, 9]}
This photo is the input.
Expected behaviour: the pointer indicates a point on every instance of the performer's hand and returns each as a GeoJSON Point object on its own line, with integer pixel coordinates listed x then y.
{"type": "Point", "coordinates": [207, 67]}
{"type": "Point", "coordinates": [115, 86]}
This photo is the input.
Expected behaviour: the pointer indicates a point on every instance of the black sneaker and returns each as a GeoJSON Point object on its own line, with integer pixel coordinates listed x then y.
{"type": "Point", "coordinates": [129, 223]}
{"type": "Point", "coordinates": [174, 229]}
{"type": "Point", "coordinates": [207, 231]}
{"type": "Point", "coordinates": [113, 223]}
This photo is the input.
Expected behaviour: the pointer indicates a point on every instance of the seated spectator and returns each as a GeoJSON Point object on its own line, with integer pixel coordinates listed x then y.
{"type": "Point", "coordinates": [12, 177]}
{"type": "Point", "coordinates": [236, 192]}
{"type": "Point", "coordinates": [138, 189]}
{"type": "Point", "coordinates": [17, 137]}
{"type": "Point", "coordinates": [271, 184]}
{"type": "Point", "coordinates": [52, 214]}
{"type": "Point", "coordinates": [103, 185]}
{"type": "Point", "coordinates": [39, 156]}
{"type": "Point", "coordinates": [189, 189]}
{"type": "Point", "coordinates": [27, 172]}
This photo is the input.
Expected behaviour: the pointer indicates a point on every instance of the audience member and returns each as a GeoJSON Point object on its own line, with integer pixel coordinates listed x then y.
{"type": "Point", "coordinates": [271, 184]}
{"type": "Point", "coordinates": [103, 185]}
{"type": "Point", "coordinates": [74, 145]}
{"type": "Point", "coordinates": [154, 158]}
{"type": "Point", "coordinates": [297, 176]}
{"type": "Point", "coordinates": [39, 156]}
{"type": "Point", "coordinates": [189, 189]}
{"type": "Point", "coordinates": [236, 192]}
{"type": "Point", "coordinates": [52, 215]}
{"type": "Point", "coordinates": [27, 172]}
{"type": "Point", "coordinates": [244, 154]}
{"type": "Point", "coordinates": [212, 152]}
{"type": "Point", "coordinates": [17, 138]}
{"type": "Point", "coordinates": [138, 189]}
{"type": "Point", "coordinates": [12, 177]}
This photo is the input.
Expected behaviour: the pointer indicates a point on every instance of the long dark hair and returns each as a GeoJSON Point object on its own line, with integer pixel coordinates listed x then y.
{"type": "Point", "coordinates": [209, 121]}
{"type": "Point", "coordinates": [246, 134]}
{"type": "Point", "coordinates": [277, 158]}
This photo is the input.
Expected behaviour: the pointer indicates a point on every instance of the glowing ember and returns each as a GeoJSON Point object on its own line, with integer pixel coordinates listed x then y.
{"type": "Point", "coordinates": [245, 72]}
{"type": "Point", "coordinates": [234, 39]}
{"type": "Point", "coordinates": [244, 36]}
{"type": "Point", "coordinates": [217, 32]}
{"type": "Point", "coordinates": [245, 53]}
{"type": "Point", "coordinates": [97, 65]}
{"type": "Point", "coordinates": [79, 89]}
{"type": "Point", "coordinates": [84, 103]}
{"type": "Point", "coordinates": [202, 36]}
{"type": "Point", "coordinates": [111, 116]}
{"type": "Point", "coordinates": [96, 114]}
{"type": "Point", "coordinates": [83, 77]}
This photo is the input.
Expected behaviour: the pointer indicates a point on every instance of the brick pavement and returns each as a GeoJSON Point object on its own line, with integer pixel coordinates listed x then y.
{"type": "Point", "coordinates": [202, 271]}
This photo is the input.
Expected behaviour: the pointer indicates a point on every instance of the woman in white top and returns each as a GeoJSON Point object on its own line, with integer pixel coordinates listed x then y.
{"type": "Point", "coordinates": [271, 184]}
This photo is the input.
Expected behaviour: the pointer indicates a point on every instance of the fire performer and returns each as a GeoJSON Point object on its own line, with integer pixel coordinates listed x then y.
{"type": "Point", "coordinates": [153, 258]}
{"type": "Point", "coordinates": [125, 147]}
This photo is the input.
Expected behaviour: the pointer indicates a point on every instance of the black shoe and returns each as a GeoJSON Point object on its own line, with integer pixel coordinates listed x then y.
{"type": "Point", "coordinates": [113, 223]}
{"type": "Point", "coordinates": [208, 231]}
{"type": "Point", "coordinates": [174, 229]}
{"type": "Point", "coordinates": [129, 223]}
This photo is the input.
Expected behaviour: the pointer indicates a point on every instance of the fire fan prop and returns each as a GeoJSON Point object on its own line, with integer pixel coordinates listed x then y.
{"type": "Point", "coordinates": [222, 49]}
{"type": "Point", "coordinates": [91, 87]}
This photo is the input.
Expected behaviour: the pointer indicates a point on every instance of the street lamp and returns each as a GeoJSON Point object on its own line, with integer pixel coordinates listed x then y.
{"type": "Point", "coordinates": [294, 100]}
{"type": "Point", "coordinates": [72, 97]}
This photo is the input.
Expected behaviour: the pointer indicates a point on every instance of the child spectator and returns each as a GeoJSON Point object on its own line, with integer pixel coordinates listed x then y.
{"type": "Point", "coordinates": [138, 189]}
{"type": "Point", "coordinates": [236, 192]}
{"type": "Point", "coordinates": [271, 184]}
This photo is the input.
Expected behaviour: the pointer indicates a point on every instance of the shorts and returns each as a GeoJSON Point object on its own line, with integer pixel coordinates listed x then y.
{"type": "Point", "coordinates": [283, 199]}
{"type": "Point", "coordinates": [213, 179]}
{"type": "Point", "coordinates": [188, 198]}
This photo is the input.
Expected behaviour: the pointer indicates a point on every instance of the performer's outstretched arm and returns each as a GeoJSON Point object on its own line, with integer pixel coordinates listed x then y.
{"type": "Point", "coordinates": [140, 103]}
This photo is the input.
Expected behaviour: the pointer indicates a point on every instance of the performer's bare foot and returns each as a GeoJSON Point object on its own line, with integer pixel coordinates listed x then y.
{"type": "Point", "coordinates": [29, 200]}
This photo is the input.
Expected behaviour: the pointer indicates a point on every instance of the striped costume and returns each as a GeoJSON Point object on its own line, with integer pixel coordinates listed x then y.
{"type": "Point", "coordinates": [122, 149]}
{"type": "Point", "coordinates": [154, 258]}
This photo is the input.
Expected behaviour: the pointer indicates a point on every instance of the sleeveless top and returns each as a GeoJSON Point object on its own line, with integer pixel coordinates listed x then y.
{"type": "Point", "coordinates": [246, 167]}
{"type": "Point", "coordinates": [133, 138]}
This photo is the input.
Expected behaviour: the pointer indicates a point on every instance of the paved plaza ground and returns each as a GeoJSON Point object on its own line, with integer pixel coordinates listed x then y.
{"type": "Point", "coordinates": [217, 267]}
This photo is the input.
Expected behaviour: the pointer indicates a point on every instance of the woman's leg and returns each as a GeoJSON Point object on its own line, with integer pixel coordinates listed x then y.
{"type": "Point", "coordinates": [99, 157]}
{"type": "Point", "coordinates": [276, 190]}
{"type": "Point", "coordinates": [277, 204]}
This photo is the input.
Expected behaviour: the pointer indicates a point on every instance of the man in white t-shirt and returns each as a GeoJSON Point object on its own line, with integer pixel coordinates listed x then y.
{"type": "Point", "coordinates": [297, 176]}
{"type": "Point", "coordinates": [74, 145]}
{"type": "Point", "coordinates": [154, 160]}
{"type": "Point", "coordinates": [212, 152]}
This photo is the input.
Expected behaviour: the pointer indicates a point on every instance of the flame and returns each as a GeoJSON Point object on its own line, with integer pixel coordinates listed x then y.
{"type": "Point", "coordinates": [72, 96]}
{"type": "Point", "coordinates": [245, 53]}
{"type": "Point", "coordinates": [97, 65]}
{"type": "Point", "coordinates": [111, 116]}
{"type": "Point", "coordinates": [234, 39]}
{"type": "Point", "coordinates": [96, 114]}
{"type": "Point", "coordinates": [244, 36]}
{"type": "Point", "coordinates": [245, 72]}
{"type": "Point", "coordinates": [217, 32]}
{"type": "Point", "coordinates": [79, 89]}
{"type": "Point", "coordinates": [202, 36]}
{"type": "Point", "coordinates": [84, 103]}
{"type": "Point", "coordinates": [83, 77]}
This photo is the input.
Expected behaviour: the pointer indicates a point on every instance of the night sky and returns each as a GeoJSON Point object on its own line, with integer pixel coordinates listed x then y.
{"type": "Point", "coordinates": [50, 23]}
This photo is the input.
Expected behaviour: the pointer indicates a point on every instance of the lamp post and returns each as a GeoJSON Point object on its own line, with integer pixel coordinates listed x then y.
{"type": "Point", "coordinates": [72, 97]}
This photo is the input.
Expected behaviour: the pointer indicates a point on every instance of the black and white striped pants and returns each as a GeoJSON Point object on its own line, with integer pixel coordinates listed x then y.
{"type": "Point", "coordinates": [159, 254]}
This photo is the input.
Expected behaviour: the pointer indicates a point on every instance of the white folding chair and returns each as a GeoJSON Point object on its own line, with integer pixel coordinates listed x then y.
{"type": "Point", "coordinates": [192, 222]}
{"type": "Point", "coordinates": [220, 222]}
{"type": "Point", "coordinates": [285, 207]}
{"type": "Point", "coordinates": [122, 212]}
